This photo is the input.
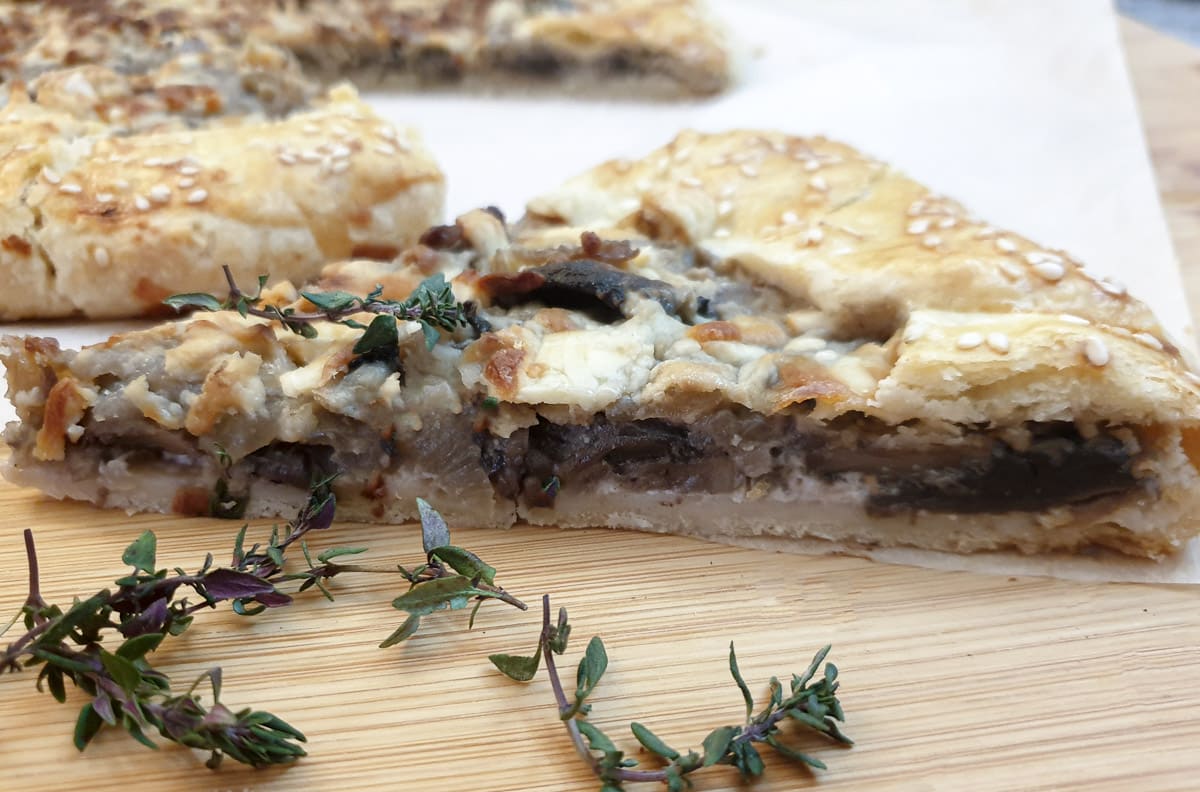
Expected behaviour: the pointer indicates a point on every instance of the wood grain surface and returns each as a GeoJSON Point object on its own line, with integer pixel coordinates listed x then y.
{"type": "Point", "coordinates": [952, 681]}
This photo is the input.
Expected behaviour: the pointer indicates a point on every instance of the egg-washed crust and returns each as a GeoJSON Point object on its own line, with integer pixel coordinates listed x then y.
{"type": "Point", "coordinates": [655, 46]}
{"type": "Point", "coordinates": [104, 224]}
{"type": "Point", "coordinates": [680, 344]}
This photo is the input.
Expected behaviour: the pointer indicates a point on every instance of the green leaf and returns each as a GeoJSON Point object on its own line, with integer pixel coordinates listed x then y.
{"type": "Point", "coordinates": [137, 647]}
{"type": "Point", "coordinates": [747, 759]}
{"type": "Point", "coordinates": [741, 683]}
{"type": "Point", "coordinates": [380, 334]}
{"type": "Point", "coordinates": [205, 302]}
{"type": "Point", "coordinates": [452, 591]}
{"type": "Point", "coordinates": [12, 621]}
{"type": "Point", "coordinates": [58, 661]}
{"type": "Point", "coordinates": [716, 744]}
{"type": "Point", "coordinates": [86, 726]}
{"type": "Point", "coordinates": [674, 780]}
{"type": "Point", "coordinates": [474, 612]}
{"type": "Point", "coordinates": [141, 554]}
{"type": "Point", "coordinates": [651, 742]}
{"type": "Point", "coordinates": [516, 667]}
{"type": "Point", "coordinates": [432, 336]}
{"type": "Point", "coordinates": [402, 632]}
{"type": "Point", "coordinates": [122, 671]}
{"type": "Point", "coordinates": [803, 679]}
{"type": "Point", "coordinates": [335, 552]}
{"type": "Point", "coordinates": [465, 563]}
{"type": "Point", "coordinates": [434, 531]}
{"type": "Point", "coordinates": [562, 632]}
{"type": "Point", "coordinates": [794, 755]}
{"type": "Point", "coordinates": [808, 720]}
{"type": "Point", "coordinates": [591, 668]}
{"type": "Point", "coordinates": [331, 300]}
{"type": "Point", "coordinates": [490, 403]}
{"type": "Point", "coordinates": [54, 681]}
{"type": "Point", "coordinates": [597, 740]}
{"type": "Point", "coordinates": [276, 555]}
{"type": "Point", "coordinates": [831, 672]}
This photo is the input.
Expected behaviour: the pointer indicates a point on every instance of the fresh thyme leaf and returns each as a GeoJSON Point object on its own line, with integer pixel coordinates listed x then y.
{"type": "Point", "coordinates": [141, 554]}
{"type": "Point", "coordinates": [464, 562]}
{"type": "Point", "coordinates": [516, 667]}
{"type": "Point", "coordinates": [451, 592]}
{"type": "Point", "coordinates": [597, 740]}
{"type": "Point", "coordinates": [139, 646]}
{"type": "Point", "coordinates": [331, 300]}
{"type": "Point", "coordinates": [591, 669]}
{"type": "Point", "coordinates": [741, 683]}
{"type": "Point", "coordinates": [381, 334]}
{"type": "Point", "coordinates": [406, 630]}
{"type": "Point", "coordinates": [338, 552]}
{"type": "Point", "coordinates": [123, 672]}
{"type": "Point", "coordinates": [431, 334]}
{"type": "Point", "coordinates": [86, 726]}
{"type": "Point", "coordinates": [716, 744]}
{"type": "Point", "coordinates": [230, 584]}
{"type": "Point", "coordinates": [204, 302]}
{"type": "Point", "coordinates": [652, 743]}
{"type": "Point", "coordinates": [490, 403]}
{"type": "Point", "coordinates": [434, 531]}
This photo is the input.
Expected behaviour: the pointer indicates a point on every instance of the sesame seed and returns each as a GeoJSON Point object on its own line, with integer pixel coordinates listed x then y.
{"type": "Point", "coordinates": [812, 165]}
{"type": "Point", "coordinates": [825, 356]}
{"type": "Point", "coordinates": [152, 162]}
{"type": "Point", "coordinates": [312, 129]}
{"type": "Point", "coordinates": [779, 147]}
{"type": "Point", "coordinates": [728, 191]}
{"type": "Point", "coordinates": [141, 203]}
{"type": "Point", "coordinates": [789, 218]}
{"type": "Point", "coordinates": [683, 154]}
{"type": "Point", "coordinates": [160, 193]}
{"type": "Point", "coordinates": [189, 170]}
{"type": "Point", "coordinates": [49, 175]}
{"type": "Point", "coordinates": [310, 156]}
{"type": "Point", "coordinates": [387, 132]}
{"type": "Point", "coordinates": [101, 256]}
{"type": "Point", "coordinates": [914, 333]}
{"type": "Point", "coordinates": [1096, 352]}
{"type": "Point", "coordinates": [642, 185]}
{"type": "Point", "coordinates": [1010, 269]}
{"type": "Point", "coordinates": [1111, 287]}
{"type": "Point", "coordinates": [1050, 270]}
{"type": "Point", "coordinates": [948, 222]}
{"type": "Point", "coordinates": [197, 196]}
{"type": "Point", "coordinates": [987, 232]}
{"type": "Point", "coordinates": [814, 236]}
{"type": "Point", "coordinates": [339, 151]}
{"type": "Point", "coordinates": [749, 171]}
{"type": "Point", "coordinates": [918, 226]}
{"type": "Point", "coordinates": [818, 183]}
{"type": "Point", "coordinates": [1148, 340]}
{"type": "Point", "coordinates": [1073, 319]}
{"type": "Point", "coordinates": [388, 151]}
{"type": "Point", "coordinates": [998, 342]}
{"type": "Point", "coordinates": [121, 184]}
{"type": "Point", "coordinates": [691, 181]}
{"type": "Point", "coordinates": [186, 183]}
{"type": "Point", "coordinates": [969, 340]}
{"type": "Point", "coordinates": [931, 241]}
{"type": "Point", "coordinates": [629, 204]}
{"type": "Point", "coordinates": [70, 189]}
{"type": "Point", "coordinates": [341, 166]}
{"type": "Point", "coordinates": [1006, 245]}
{"type": "Point", "coordinates": [104, 197]}
{"type": "Point", "coordinates": [339, 130]}
{"type": "Point", "coordinates": [724, 208]}
{"type": "Point", "coordinates": [24, 147]}
{"type": "Point", "coordinates": [286, 158]}
{"type": "Point", "coordinates": [718, 162]}
{"type": "Point", "coordinates": [402, 145]}
{"type": "Point", "coordinates": [769, 230]}
{"type": "Point", "coordinates": [721, 233]}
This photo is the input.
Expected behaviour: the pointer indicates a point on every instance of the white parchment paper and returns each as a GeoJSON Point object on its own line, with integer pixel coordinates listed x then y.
{"type": "Point", "coordinates": [1022, 110]}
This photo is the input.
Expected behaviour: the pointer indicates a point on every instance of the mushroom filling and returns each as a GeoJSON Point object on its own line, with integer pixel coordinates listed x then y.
{"type": "Point", "coordinates": [979, 473]}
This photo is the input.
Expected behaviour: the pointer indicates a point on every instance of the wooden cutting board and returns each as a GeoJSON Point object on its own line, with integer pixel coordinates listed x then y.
{"type": "Point", "coordinates": [952, 681]}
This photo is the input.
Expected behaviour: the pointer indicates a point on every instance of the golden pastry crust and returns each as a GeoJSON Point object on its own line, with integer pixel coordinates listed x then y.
{"type": "Point", "coordinates": [671, 45]}
{"type": "Point", "coordinates": [108, 225]}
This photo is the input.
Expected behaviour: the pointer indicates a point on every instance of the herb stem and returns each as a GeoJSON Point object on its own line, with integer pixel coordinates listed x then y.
{"type": "Point", "coordinates": [34, 601]}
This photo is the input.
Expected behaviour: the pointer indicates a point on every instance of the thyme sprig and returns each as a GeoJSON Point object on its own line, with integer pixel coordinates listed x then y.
{"type": "Point", "coordinates": [811, 704]}
{"type": "Point", "coordinates": [151, 604]}
{"type": "Point", "coordinates": [432, 304]}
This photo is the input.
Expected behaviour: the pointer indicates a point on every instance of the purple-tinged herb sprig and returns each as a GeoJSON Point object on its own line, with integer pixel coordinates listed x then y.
{"type": "Point", "coordinates": [812, 705]}
{"type": "Point", "coordinates": [150, 604]}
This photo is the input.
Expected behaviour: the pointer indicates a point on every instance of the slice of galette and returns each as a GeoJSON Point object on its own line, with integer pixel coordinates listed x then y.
{"type": "Point", "coordinates": [743, 336]}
